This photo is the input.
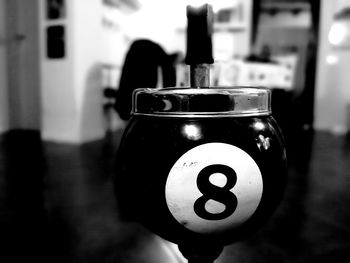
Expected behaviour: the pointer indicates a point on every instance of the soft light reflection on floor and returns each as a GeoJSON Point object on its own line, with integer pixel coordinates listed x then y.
{"type": "Point", "coordinates": [172, 251]}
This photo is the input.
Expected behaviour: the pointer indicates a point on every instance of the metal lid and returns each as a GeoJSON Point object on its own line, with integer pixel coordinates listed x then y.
{"type": "Point", "coordinates": [202, 102]}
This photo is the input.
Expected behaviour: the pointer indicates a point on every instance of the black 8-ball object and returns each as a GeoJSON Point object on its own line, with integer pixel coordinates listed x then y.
{"type": "Point", "coordinates": [202, 168]}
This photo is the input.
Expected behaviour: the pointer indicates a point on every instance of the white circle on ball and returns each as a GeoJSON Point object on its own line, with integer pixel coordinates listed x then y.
{"type": "Point", "coordinates": [182, 191]}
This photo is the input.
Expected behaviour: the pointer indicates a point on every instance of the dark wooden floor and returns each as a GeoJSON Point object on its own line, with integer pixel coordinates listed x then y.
{"type": "Point", "coordinates": [57, 205]}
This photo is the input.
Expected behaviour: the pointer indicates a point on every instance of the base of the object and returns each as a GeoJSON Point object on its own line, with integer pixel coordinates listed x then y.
{"type": "Point", "coordinates": [200, 253]}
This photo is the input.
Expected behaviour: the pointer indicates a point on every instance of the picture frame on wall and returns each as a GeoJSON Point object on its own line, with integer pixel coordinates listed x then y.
{"type": "Point", "coordinates": [55, 42]}
{"type": "Point", "coordinates": [55, 9]}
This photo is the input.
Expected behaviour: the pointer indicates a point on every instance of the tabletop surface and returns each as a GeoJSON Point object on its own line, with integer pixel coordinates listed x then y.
{"type": "Point", "coordinates": [57, 204]}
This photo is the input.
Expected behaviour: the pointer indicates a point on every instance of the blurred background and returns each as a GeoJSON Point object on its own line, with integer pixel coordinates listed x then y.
{"type": "Point", "coordinates": [61, 67]}
{"type": "Point", "coordinates": [58, 56]}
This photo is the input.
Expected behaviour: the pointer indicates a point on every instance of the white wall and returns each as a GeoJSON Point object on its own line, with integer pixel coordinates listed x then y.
{"type": "Point", "coordinates": [332, 95]}
{"type": "Point", "coordinates": [87, 68]}
{"type": "Point", "coordinates": [59, 102]}
{"type": "Point", "coordinates": [72, 87]}
{"type": "Point", "coordinates": [4, 124]}
{"type": "Point", "coordinates": [96, 45]}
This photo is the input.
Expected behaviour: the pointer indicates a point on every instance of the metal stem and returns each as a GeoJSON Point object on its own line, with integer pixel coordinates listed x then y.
{"type": "Point", "coordinates": [200, 75]}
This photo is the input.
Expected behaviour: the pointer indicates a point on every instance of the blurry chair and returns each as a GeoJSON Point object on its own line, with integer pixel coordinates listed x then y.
{"type": "Point", "coordinates": [141, 70]}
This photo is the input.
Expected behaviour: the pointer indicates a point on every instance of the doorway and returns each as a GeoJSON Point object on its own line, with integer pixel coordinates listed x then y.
{"type": "Point", "coordinates": [23, 65]}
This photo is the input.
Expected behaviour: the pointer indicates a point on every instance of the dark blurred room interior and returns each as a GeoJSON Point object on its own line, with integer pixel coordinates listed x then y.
{"type": "Point", "coordinates": [60, 63]}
